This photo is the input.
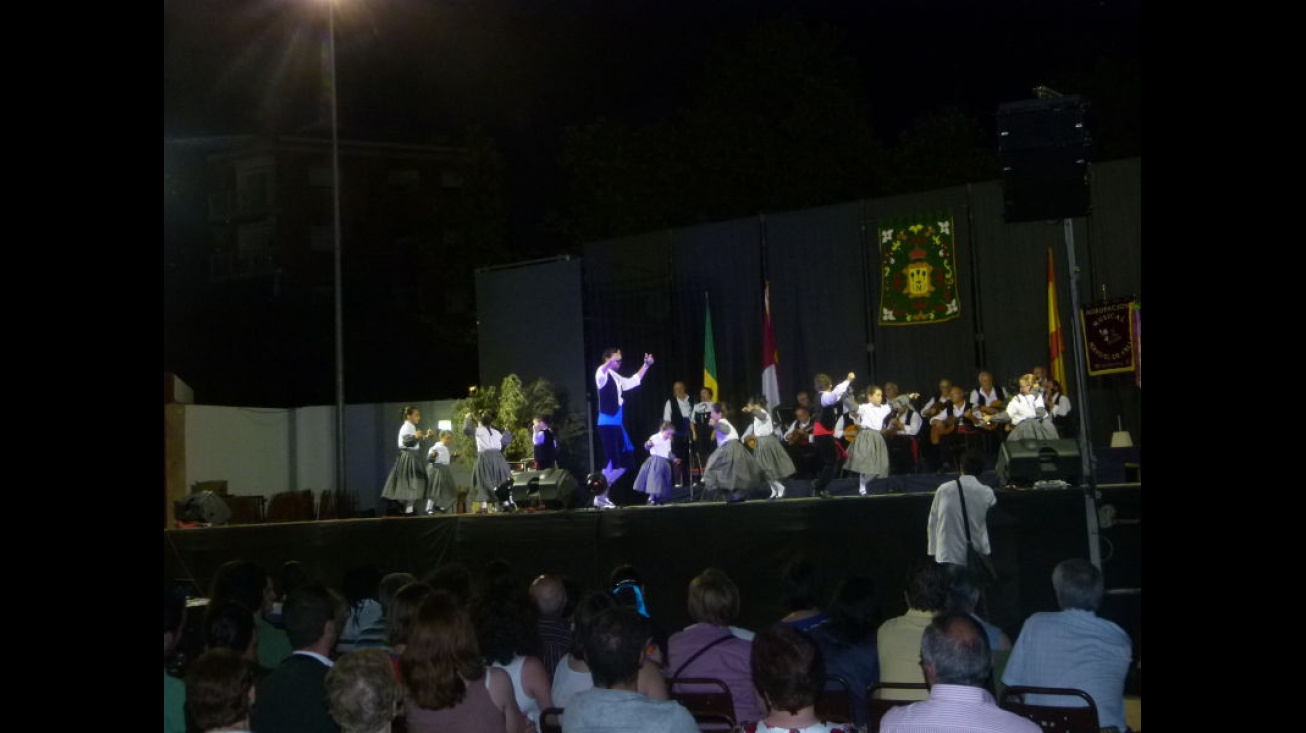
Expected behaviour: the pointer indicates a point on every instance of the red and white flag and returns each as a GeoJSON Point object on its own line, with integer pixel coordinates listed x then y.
{"type": "Point", "coordinates": [770, 382]}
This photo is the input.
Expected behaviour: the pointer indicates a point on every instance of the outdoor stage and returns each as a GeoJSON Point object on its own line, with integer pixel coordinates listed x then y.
{"type": "Point", "coordinates": [1031, 530]}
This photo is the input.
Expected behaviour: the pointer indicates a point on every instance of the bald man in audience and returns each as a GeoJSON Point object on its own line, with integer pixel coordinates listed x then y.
{"type": "Point", "coordinates": [549, 592]}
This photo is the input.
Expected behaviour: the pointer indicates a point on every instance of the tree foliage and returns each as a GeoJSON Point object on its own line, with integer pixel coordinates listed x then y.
{"type": "Point", "coordinates": [513, 407]}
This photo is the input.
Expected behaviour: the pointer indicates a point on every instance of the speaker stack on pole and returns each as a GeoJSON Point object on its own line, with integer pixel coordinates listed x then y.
{"type": "Point", "coordinates": [1043, 146]}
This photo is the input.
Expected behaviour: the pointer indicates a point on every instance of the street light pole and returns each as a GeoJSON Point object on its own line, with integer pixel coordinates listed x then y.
{"type": "Point", "coordinates": [339, 300]}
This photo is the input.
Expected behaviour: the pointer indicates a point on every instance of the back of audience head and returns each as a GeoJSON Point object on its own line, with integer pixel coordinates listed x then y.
{"type": "Point", "coordinates": [218, 690]}
{"type": "Point", "coordinates": [505, 627]}
{"type": "Point", "coordinates": [440, 654]}
{"type": "Point", "coordinates": [627, 586]}
{"type": "Point", "coordinates": [363, 695]}
{"type": "Point", "coordinates": [614, 643]}
{"type": "Point", "coordinates": [453, 577]}
{"type": "Point", "coordinates": [788, 670]}
{"type": "Point", "coordinates": [229, 625]}
{"type": "Point", "coordinates": [963, 594]}
{"type": "Point", "coordinates": [956, 649]}
{"type": "Point", "coordinates": [713, 598]}
{"type": "Point", "coordinates": [550, 595]}
{"type": "Point", "coordinates": [587, 609]}
{"type": "Point", "coordinates": [244, 581]}
{"type": "Point", "coordinates": [972, 463]}
{"type": "Point", "coordinates": [390, 585]}
{"type": "Point", "coordinates": [798, 585]}
{"type": "Point", "coordinates": [361, 582]}
{"type": "Point", "coordinates": [403, 608]}
{"type": "Point", "coordinates": [854, 609]}
{"type": "Point", "coordinates": [498, 580]}
{"type": "Point", "coordinates": [310, 612]}
{"type": "Point", "coordinates": [293, 574]}
{"type": "Point", "coordinates": [927, 585]}
{"type": "Point", "coordinates": [1078, 585]}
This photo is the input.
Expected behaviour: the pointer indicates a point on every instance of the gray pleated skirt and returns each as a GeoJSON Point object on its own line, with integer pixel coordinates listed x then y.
{"type": "Point", "coordinates": [1033, 430]}
{"type": "Point", "coordinates": [654, 478]}
{"type": "Point", "coordinates": [868, 454]}
{"type": "Point", "coordinates": [491, 470]}
{"type": "Point", "coordinates": [407, 479]}
{"type": "Point", "coordinates": [731, 467]}
{"type": "Point", "coordinates": [440, 485]}
{"type": "Point", "coordinates": [773, 459]}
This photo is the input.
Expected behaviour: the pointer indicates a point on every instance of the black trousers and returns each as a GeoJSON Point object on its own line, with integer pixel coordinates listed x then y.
{"type": "Point", "coordinates": [680, 449]}
{"type": "Point", "coordinates": [829, 455]}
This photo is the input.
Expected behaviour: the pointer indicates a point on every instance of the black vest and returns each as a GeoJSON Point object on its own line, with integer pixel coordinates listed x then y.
{"type": "Point", "coordinates": [677, 420]}
{"type": "Point", "coordinates": [608, 397]}
{"type": "Point", "coordinates": [829, 414]}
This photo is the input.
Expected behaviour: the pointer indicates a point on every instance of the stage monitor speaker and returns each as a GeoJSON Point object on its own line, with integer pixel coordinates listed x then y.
{"type": "Point", "coordinates": [1043, 147]}
{"type": "Point", "coordinates": [206, 507]}
{"type": "Point", "coordinates": [1026, 462]}
{"type": "Point", "coordinates": [555, 488]}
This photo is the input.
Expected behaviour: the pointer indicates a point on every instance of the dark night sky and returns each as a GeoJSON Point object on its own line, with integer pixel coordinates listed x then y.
{"type": "Point", "coordinates": [410, 70]}
{"type": "Point", "coordinates": [422, 71]}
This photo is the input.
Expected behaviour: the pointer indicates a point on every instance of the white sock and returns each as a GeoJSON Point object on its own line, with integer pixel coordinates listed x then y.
{"type": "Point", "coordinates": [862, 479]}
{"type": "Point", "coordinates": [777, 489]}
{"type": "Point", "coordinates": [408, 507]}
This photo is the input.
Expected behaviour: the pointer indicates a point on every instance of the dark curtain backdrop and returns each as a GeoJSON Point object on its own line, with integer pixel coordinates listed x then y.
{"type": "Point", "coordinates": [816, 265]}
{"type": "Point", "coordinates": [645, 293]}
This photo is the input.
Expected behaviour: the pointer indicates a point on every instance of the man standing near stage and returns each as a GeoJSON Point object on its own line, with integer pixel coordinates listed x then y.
{"type": "Point", "coordinates": [679, 411]}
{"type": "Point", "coordinates": [612, 432]}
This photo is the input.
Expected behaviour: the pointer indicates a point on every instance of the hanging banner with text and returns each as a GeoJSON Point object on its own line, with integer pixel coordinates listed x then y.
{"type": "Point", "coordinates": [918, 271]}
{"type": "Point", "coordinates": [1108, 337]}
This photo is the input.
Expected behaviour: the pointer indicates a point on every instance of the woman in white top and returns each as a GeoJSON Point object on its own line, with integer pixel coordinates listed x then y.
{"type": "Point", "coordinates": [1029, 417]}
{"type": "Point", "coordinates": [868, 454]}
{"type": "Point", "coordinates": [491, 469]}
{"type": "Point", "coordinates": [407, 480]}
{"type": "Point", "coordinates": [768, 451]}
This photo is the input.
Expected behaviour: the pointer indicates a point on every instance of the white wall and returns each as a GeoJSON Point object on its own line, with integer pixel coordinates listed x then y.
{"type": "Point", "coordinates": [260, 451]}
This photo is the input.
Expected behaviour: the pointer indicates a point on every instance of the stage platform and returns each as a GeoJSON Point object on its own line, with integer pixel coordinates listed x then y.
{"type": "Point", "coordinates": [1030, 530]}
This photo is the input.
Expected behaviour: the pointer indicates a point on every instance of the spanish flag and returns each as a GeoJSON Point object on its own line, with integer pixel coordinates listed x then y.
{"type": "Point", "coordinates": [709, 353]}
{"type": "Point", "coordinates": [1056, 338]}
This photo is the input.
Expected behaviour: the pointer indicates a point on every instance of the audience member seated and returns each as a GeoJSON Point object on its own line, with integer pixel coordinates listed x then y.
{"type": "Point", "coordinates": [363, 695]}
{"type": "Point", "coordinates": [616, 644]}
{"type": "Point", "coordinates": [399, 620]}
{"type": "Point", "coordinates": [504, 618]}
{"type": "Point", "coordinates": [572, 675]}
{"type": "Point", "coordinates": [448, 685]}
{"type": "Point", "coordinates": [847, 639]}
{"type": "Point", "coordinates": [899, 638]}
{"type": "Point", "coordinates": [709, 648]}
{"type": "Point", "coordinates": [799, 593]}
{"type": "Point", "coordinates": [954, 654]}
{"type": "Point", "coordinates": [293, 574]}
{"type": "Point", "coordinates": [361, 586]}
{"type": "Point", "coordinates": [174, 689]}
{"type": "Point", "coordinates": [373, 635]}
{"type": "Point", "coordinates": [229, 626]}
{"type": "Point", "coordinates": [249, 584]}
{"type": "Point", "coordinates": [219, 691]}
{"type": "Point", "coordinates": [789, 675]}
{"type": "Point", "coordinates": [549, 594]}
{"type": "Point", "coordinates": [453, 577]}
{"type": "Point", "coordinates": [1074, 648]}
{"type": "Point", "coordinates": [629, 590]}
{"type": "Point", "coordinates": [292, 699]}
{"type": "Point", "coordinates": [964, 597]}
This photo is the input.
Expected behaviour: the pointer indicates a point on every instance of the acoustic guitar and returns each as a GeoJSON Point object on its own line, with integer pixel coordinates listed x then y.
{"type": "Point", "coordinates": [941, 428]}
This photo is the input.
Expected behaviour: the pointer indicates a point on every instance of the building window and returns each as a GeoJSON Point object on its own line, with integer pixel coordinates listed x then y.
{"type": "Point", "coordinates": [405, 179]}
{"type": "Point", "coordinates": [320, 177]}
{"type": "Point", "coordinates": [254, 184]}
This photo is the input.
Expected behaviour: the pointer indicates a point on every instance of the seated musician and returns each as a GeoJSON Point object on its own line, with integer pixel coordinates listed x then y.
{"type": "Point", "coordinates": [948, 431]}
{"type": "Point", "coordinates": [939, 401]}
{"type": "Point", "coordinates": [989, 399]}
{"type": "Point", "coordinates": [1058, 406]}
{"type": "Point", "coordinates": [798, 443]}
{"type": "Point", "coordinates": [901, 428]}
